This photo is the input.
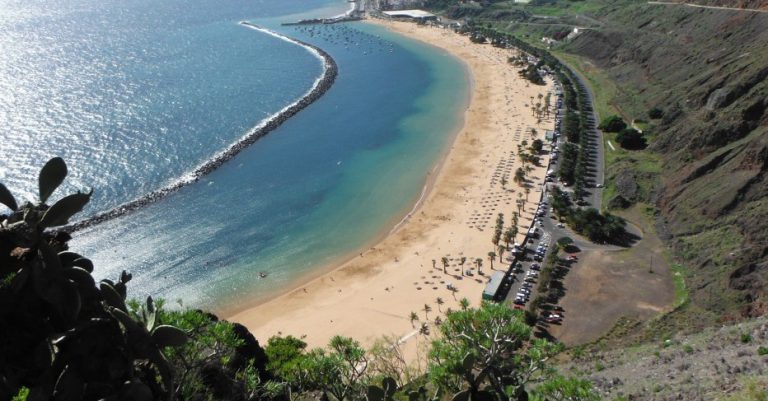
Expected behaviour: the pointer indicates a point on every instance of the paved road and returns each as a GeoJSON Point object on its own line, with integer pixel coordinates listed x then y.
{"type": "Point", "coordinates": [668, 3]}
{"type": "Point", "coordinates": [596, 149]}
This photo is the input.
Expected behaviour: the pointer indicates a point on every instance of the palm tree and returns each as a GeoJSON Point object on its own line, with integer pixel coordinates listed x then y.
{"type": "Point", "coordinates": [508, 237]}
{"type": "Point", "coordinates": [501, 253]}
{"type": "Point", "coordinates": [440, 303]}
{"type": "Point", "coordinates": [503, 181]}
{"type": "Point", "coordinates": [464, 304]}
{"type": "Point", "coordinates": [527, 192]}
{"type": "Point", "coordinates": [426, 310]}
{"type": "Point", "coordinates": [519, 176]}
{"type": "Point", "coordinates": [445, 265]}
{"type": "Point", "coordinates": [433, 263]}
{"type": "Point", "coordinates": [462, 261]}
{"type": "Point", "coordinates": [491, 257]}
{"type": "Point", "coordinates": [414, 317]}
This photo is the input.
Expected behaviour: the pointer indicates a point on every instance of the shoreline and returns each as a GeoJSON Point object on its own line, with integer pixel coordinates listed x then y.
{"type": "Point", "coordinates": [394, 224]}
{"type": "Point", "coordinates": [373, 294]}
{"type": "Point", "coordinates": [319, 87]}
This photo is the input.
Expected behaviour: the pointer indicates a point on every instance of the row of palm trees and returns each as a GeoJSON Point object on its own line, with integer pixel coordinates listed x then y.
{"type": "Point", "coordinates": [414, 317]}
{"type": "Point", "coordinates": [447, 262]}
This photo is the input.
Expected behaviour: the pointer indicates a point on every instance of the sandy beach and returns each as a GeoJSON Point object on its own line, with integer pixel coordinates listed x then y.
{"type": "Point", "coordinates": [374, 294]}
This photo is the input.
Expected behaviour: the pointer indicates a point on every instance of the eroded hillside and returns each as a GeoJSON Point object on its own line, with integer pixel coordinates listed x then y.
{"type": "Point", "coordinates": [706, 69]}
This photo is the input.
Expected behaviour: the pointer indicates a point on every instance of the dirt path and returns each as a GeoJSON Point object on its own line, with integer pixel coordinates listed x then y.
{"type": "Point", "coordinates": [672, 3]}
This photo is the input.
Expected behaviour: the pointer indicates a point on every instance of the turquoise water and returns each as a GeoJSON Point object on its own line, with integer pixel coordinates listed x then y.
{"type": "Point", "coordinates": [145, 95]}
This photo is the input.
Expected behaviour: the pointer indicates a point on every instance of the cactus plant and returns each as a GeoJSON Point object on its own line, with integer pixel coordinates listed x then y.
{"type": "Point", "coordinates": [63, 337]}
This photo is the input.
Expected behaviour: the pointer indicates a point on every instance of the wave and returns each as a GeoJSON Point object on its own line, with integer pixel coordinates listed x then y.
{"type": "Point", "coordinates": [318, 89]}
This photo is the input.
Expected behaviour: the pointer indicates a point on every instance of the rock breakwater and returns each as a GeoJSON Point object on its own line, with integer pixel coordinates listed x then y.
{"type": "Point", "coordinates": [320, 86]}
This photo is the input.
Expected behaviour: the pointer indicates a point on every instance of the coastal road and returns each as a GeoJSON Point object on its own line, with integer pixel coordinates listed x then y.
{"type": "Point", "coordinates": [596, 149]}
{"type": "Point", "coordinates": [670, 3]}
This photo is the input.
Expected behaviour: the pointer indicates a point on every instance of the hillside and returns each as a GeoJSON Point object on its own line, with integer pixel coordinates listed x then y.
{"type": "Point", "coordinates": [746, 4]}
{"type": "Point", "coordinates": [706, 69]}
{"type": "Point", "coordinates": [703, 366]}
{"type": "Point", "coordinates": [703, 175]}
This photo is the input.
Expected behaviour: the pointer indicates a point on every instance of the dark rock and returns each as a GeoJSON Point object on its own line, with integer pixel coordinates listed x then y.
{"type": "Point", "coordinates": [249, 352]}
{"type": "Point", "coordinates": [619, 202]}
{"type": "Point", "coordinates": [216, 379]}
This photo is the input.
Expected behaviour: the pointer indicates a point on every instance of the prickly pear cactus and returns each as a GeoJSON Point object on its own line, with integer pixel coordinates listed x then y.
{"type": "Point", "coordinates": [62, 336]}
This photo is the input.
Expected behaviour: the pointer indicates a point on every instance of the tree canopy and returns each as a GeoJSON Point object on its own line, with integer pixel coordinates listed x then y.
{"type": "Point", "coordinates": [612, 124]}
{"type": "Point", "coordinates": [630, 138]}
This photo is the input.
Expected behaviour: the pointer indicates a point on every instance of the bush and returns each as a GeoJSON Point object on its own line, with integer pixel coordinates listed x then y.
{"type": "Point", "coordinates": [746, 338]}
{"type": "Point", "coordinates": [601, 228]}
{"type": "Point", "coordinates": [531, 73]}
{"type": "Point", "coordinates": [655, 113]}
{"type": "Point", "coordinates": [630, 138]}
{"type": "Point", "coordinates": [537, 146]}
{"type": "Point", "coordinates": [612, 124]}
{"type": "Point", "coordinates": [599, 366]}
{"type": "Point", "coordinates": [762, 351]}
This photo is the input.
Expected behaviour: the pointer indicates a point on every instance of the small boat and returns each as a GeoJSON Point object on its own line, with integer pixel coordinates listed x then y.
{"type": "Point", "coordinates": [262, 274]}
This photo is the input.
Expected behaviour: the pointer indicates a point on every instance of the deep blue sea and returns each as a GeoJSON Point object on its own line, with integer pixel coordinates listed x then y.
{"type": "Point", "coordinates": [134, 94]}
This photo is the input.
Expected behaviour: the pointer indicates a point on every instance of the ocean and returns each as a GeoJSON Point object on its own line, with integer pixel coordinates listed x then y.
{"type": "Point", "coordinates": [134, 95]}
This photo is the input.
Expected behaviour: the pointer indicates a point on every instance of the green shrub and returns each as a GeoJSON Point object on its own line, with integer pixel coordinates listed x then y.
{"type": "Point", "coordinates": [762, 351]}
{"type": "Point", "coordinates": [632, 139]}
{"type": "Point", "coordinates": [22, 395]}
{"type": "Point", "coordinates": [599, 367]}
{"type": "Point", "coordinates": [746, 338]}
{"type": "Point", "coordinates": [612, 124]}
{"type": "Point", "coordinates": [655, 113]}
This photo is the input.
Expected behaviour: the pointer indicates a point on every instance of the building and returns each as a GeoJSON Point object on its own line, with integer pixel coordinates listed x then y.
{"type": "Point", "coordinates": [492, 288]}
{"type": "Point", "coordinates": [415, 15]}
